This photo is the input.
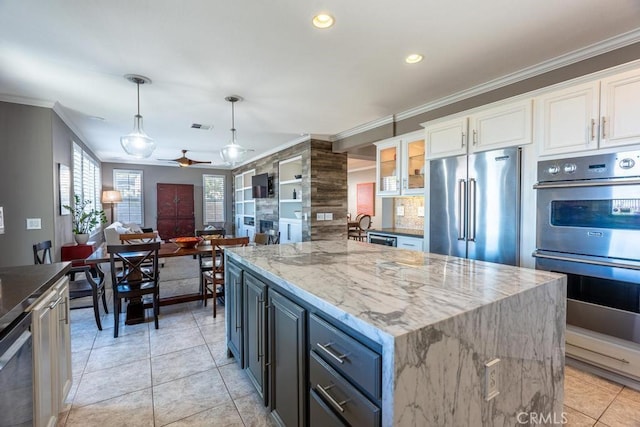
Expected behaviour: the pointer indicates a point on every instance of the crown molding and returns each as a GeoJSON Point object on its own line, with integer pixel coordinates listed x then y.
{"type": "Point", "coordinates": [296, 141]}
{"type": "Point", "coordinates": [57, 108]}
{"type": "Point", "coordinates": [363, 128]}
{"type": "Point", "coordinates": [590, 51]}
{"type": "Point", "coordinates": [34, 102]}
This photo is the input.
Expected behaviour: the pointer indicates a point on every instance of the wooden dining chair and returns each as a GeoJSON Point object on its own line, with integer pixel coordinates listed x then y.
{"type": "Point", "coordinates": [135, 279]}
{"type": "Point", "coordinates": [79, 287]}
{"type": "Point", "coordinates": [205, 262]}
{"type": "Point", "coordinates": [360, 233]}
{"type": "Point", "coordinates": [214, 280]}
{"type": "Point", "coordinates": [261, 239]}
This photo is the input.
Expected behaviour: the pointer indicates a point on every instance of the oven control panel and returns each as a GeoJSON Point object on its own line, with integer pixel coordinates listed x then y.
{"type": "Point", "coordinates": [599, 166]}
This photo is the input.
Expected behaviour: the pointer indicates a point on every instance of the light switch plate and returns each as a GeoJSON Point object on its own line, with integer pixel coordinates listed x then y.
{"type": "Point", "coordinates": [328, 216]}
{"type": "Point", "coordinates": [400, 210]}
{"type": "Point", "coordinates": [34, 224]}
{"type": "Point", "coordinates": [320, 216]}
{"type": "Point", "coordinates": [420, 210]}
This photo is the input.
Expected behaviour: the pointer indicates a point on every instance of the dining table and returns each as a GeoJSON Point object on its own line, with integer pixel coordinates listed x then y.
{"type": "Point", "coordinates": [135, 309]}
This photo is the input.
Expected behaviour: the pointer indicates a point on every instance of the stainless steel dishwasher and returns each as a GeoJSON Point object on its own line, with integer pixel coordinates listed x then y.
{"type": "Point", "coordinates": [16, 374]}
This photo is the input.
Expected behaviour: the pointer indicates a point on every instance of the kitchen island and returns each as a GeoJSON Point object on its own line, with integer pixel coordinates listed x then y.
{"type": "Point", "coordinates": [425, 324]}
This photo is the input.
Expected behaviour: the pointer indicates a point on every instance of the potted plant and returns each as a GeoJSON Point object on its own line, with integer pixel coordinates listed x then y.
{"type": "Point", "coordinates": [84, 220]}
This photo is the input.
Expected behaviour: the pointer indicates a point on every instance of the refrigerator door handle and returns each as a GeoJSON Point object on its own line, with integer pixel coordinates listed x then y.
{"type": "Point", "coordinates": [472, 210]}
{"type": "Point", "coordinates": [462, 198]}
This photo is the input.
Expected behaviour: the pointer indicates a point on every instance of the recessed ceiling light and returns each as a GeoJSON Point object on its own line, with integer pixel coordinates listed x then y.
{"type": "Point", "coordinates": [414, 58]}
{"type": "Point", "coordinates": [323, 20]}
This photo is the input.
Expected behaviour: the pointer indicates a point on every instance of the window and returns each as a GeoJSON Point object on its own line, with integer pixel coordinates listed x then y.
{"type": "Point", "coordinates": [87, 180]}
{"type": "Point", "coordinates": [129, 183]}
{"type": "Point", "coordinates": [213, 202]}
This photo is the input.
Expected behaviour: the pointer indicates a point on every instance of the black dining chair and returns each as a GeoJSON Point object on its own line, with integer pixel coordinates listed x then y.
{"type": "Point", "coordinates": [134, 274]}
{"type": "Point", "coordinates": [87, 286]}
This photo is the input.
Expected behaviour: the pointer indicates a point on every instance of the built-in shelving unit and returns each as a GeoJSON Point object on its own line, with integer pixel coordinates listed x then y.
{"type": "Point", "coordinates": [245, 205]}
{"type": "Point", "coordinates": [290, 200]}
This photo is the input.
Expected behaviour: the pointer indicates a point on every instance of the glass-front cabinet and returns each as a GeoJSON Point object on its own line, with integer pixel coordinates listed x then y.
{"type": "Point", "coordinates": [400, 165]}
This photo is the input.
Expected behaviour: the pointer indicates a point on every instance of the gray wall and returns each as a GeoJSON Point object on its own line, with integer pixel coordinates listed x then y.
{"type": "Point", "coordinates": [152, 175]}
{"type": "Point", "coordinates": [26, 174]}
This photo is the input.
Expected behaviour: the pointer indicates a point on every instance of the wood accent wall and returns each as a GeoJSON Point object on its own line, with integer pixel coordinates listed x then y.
{"type": "Point", "coordinates": [328, 191]}
{"type": "Point", "coordinates": [324, 188]}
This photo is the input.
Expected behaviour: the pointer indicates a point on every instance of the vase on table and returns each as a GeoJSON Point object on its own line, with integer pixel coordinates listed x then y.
{"type": "Point", "coordinates": [82, 238]}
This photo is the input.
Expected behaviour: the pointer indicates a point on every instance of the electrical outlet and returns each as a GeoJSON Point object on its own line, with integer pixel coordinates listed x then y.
{"type": "Point", "coordinates": [328, 216]}
{"type": "Point", "coordinates": [420, 210]}
{"type": "Point", "coordinates": [320, 217]}
{"type": "Point", "coordinates": [491, 379]}
{"type": "Point", "coordinates": [399, 210]}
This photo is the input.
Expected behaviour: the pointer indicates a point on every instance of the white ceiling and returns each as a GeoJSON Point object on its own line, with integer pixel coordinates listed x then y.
{"type": "Point", "coordinates": [294, 79]}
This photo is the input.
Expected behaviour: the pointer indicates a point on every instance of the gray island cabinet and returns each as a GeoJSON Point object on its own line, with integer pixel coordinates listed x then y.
{"type": "Point", "coordinates": [348, 333]}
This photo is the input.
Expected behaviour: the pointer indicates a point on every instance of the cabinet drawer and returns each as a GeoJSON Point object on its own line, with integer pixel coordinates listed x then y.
{"type": "Point", "coordinates": [340, 395]}
{"type": "Point", "coordinates": [320, 414]}
{"type": "Point", "coordinates": [346, 354]}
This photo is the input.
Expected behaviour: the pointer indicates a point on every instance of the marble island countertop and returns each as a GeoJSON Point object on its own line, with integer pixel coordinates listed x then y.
{"type": "Point", "coordinates": [438, 320]}
{"type": "Point", "coordinates": [393, 290]}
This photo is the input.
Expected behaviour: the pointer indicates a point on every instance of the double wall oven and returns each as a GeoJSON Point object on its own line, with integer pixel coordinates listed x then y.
{"type": "Point", "coordinates": [588, 227]}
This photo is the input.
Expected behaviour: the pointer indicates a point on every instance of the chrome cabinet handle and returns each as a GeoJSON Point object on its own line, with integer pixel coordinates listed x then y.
{"type": "Point", "coordinates": [66, 312]}
{"type": "Point", "coordinates": [235, 291]}
{"type": "Point", "coordinates": [334, 402]}
{"type": "Point", "coordinates": [55, 303]}
{"type": "Point", "coordinates": [593, 129]}
{"type": "Point", "coordinates": [475, 137]}
{"type": "Point", "coordinates": [462, 196]}
{"type": "Point", "coordinates": [259, 319]}
{"type": "Point", "coordinates": [602, 126]}
{"type": "Point", "coordinates": [462, 139]}
{"type": "Point", "coordinates": [326, 348]}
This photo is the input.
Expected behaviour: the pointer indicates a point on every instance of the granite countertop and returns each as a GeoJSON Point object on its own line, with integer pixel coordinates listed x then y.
{"type": "Point", "coordinates": [399, 232]}
{"type": "Point", "coordinates": [22, 286]}
{"type": "Point", "coordinates": [386, 292]}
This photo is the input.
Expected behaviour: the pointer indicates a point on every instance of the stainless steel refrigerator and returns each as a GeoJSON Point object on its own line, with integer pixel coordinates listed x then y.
{"type": "Point", "coordinates": [475, 206]}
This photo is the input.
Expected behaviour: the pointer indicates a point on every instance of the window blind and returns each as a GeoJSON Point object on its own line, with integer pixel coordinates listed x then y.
{"type": "Point", "coordinates": [129, 183]}
{"type": "Point", "coordinates": [213, 195]}
{"type": "Point", "coordinates": [87, 180]}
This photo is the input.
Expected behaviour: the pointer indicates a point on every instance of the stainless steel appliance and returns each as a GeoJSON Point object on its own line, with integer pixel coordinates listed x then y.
{"type": "Point", "coordinates": [474, 209]}
{"type": "Point", "coordinates": [380, 239]}
{"type": "Point", "coordinates": [16, 374]}
{"type": "Point", "coordinates": [588, 226]}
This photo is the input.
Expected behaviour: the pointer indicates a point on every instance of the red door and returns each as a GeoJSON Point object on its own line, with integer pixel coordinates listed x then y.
{"type": "Point", "coordinates": [175, 210]}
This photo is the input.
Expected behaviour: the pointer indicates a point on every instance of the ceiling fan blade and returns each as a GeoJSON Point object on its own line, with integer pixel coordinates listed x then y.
{"type": "Point", "coordinates": [194, 162]}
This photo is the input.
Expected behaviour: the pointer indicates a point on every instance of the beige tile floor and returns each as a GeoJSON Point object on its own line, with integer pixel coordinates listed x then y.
{"type": "Point", "coordinates": [179, 375]}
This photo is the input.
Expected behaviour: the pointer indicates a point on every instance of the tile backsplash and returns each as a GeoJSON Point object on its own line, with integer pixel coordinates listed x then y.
{"type": "Point", "coordinates": [406, 210]}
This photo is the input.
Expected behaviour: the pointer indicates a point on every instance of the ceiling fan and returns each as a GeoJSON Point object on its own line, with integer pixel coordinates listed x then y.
{"type": "Point", "coordinates": [184, 161]}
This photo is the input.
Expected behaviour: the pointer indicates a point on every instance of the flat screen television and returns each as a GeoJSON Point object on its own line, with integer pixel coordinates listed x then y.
{"type": "Point", "coordinates": [262, 186]}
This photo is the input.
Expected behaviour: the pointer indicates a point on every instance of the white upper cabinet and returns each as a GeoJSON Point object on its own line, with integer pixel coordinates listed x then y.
{"type": "Point", "coordinates": [508, 125]}
{"type": "Point", "coordinates": [400, 165]}
{"type": "Point", "coordinates": [501, 126]}
{"type": "Point", "coordinates": [446, 138]}
{"type": "Point", "coordinates": [567, 120]}
{"type": "Point", "coordinates": [598, 114]}
{"type": "Point", "coordinates": [620, 110]}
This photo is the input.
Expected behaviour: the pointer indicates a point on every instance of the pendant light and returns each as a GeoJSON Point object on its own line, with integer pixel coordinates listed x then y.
{"type": "Point", "coordinates": [137, 143]}
{"type": "Point", "coordinates": [233, 153]}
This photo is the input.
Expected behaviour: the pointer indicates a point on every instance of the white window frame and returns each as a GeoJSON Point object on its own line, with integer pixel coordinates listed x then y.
{"type": "Point", "coordinates": [87, 178]}
{"type": "Point", "coordinates": [205, 219]}
{"type": "Point", "coordinates": [129, 195]}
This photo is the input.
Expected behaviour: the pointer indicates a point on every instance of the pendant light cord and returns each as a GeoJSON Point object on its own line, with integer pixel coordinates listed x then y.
{"type": "Point", "coordinates": [138, 84]}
